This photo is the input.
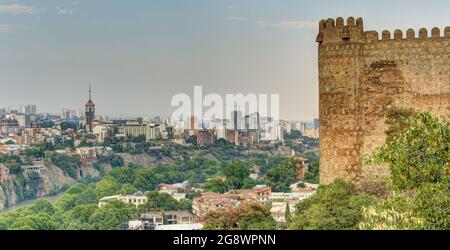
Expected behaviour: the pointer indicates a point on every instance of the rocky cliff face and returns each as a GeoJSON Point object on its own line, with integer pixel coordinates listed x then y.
{"type": "Point", "coordinates": [8, 194]}
{"type": "Point", "coordinates": [52, 180]}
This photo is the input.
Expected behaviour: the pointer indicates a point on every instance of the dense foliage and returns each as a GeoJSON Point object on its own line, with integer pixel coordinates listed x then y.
{"type": "Point", "coordinates": [427, 209]}
{"type": "Point", "coordinates": [334, 207]}
{"type": "Point", "coordinates": [417, 150]}
{"type": "Point", "coordinates": [219, 168]}
{"type": "Point", "coordinates": [419, 154]}
{"type": "Point", "coordinates": [281, 177]}
{"type": "Point", "coordinates": [68, 164]}
{"type": "Point", "coordinates": [312, 176]}
{"type": "Point", "coordinates": [78, 207]}
{"type": "Point", "coordinates": [75, 209]}
{"type": "Point", "coordinates": [164, 202]}
{"type": "Point", "coordinates": [247, 216]}
{"type": "Point", "coordinates": [236, 174]}
{"type": "Point", "coordinates": [115, 160]}
{"type": "Point", "coordinates": [215, 185]}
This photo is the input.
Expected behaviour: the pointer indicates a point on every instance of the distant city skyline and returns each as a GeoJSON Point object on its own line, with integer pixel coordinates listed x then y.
{"type": "Point", "coordinates": [138, 54]}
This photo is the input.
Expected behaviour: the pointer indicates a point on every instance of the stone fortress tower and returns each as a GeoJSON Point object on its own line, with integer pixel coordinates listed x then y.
{"type": "Point", "coordinates": [361, 76]}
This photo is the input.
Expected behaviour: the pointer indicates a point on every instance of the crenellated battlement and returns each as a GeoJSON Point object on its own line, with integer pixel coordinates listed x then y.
{"type": "Point", "coordinates": [410, 34]}
{"type": "Point", "coordinates": [330, 23]}
{"type": "Point", "coordinates": [334, 31]}
{"type": "Point", "coordinates": [338, 31]}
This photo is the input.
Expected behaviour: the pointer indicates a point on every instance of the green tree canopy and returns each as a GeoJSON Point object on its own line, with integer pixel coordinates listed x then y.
{"type": "Point", "coordinates": [419, 153]}
{"type": "Point", "coordinates": [215, 185]}
{"type": "Point", "coordinates": [247, 216]}
{"type": "Point", "coordinates": [281, 177]}
{"type": "Point", "coordinates": [122, 175]}
{"type": "Point", "coordinates": [334, 207]}
{"type": "Point", "coordinates": [106, 187]}
{"type": "Point", "coordinates": [39, 221]}
{"type": "Point", "coordinates": [163, 202]}
{"type": "Point", "coordinates": [417, 150]}
{"type": "Point", "coordinates": [312, 175]}
{"type": "Point", "coordinates": [236, 174]}
{"type": "Point", "coordinates": [127, 189]}
{"type": "Point", "coordinates": [112, 216]}
{"type": "Point", "coordinates": [146, 180]}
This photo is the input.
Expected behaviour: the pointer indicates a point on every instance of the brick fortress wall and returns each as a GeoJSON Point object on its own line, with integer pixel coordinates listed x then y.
{"type": "Point", "coordinates": [360, 77]}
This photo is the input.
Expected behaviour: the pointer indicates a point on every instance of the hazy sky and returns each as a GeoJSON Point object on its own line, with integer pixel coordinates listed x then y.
{"type": "Point", "coordinates": [138, 54]}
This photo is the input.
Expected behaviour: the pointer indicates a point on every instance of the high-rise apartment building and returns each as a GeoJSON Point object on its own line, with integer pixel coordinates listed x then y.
{"type": "Point", "coordinates": [236, 117]}
{"type": "Point", "coordinates": [192, 123]}
{"type": "Point", "coordinates": [316, 123]}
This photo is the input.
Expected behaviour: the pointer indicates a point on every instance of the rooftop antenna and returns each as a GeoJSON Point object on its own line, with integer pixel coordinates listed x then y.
{"type": "Point", "coordinates": [89, 90]}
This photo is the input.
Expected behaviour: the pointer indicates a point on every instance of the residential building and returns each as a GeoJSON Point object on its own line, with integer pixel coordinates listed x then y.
{"type": "Point", "coordinates": [68, 114]}
{"type": "Point", "coordinates": [150, 131]}
{"type": "Point", "coordinates": [245, 138]}
{"type": "Point", "coordinates": [221, 202]}
{"type": "Point", "coordinates": [271, 132]}
{"type": "Point", "coordinates": [208, 202]}
{"type": "Point", "coordinates": [24, 120]}
{"type": "Point", "coordinates": [33, 136]}
{"type": "Point", "coordinates": [9, 126]}
{"type": "Point", "coordinates": [254, 134]}
{"type": "Point", "coordinates": [151, 220]}
{"type": "Point", "coordinates": [260, 194]}
{"type": "Point", "coordinates": [102, 132]}
{"type": "Point", "coordinates": [285, 127]}
{"type": "Point", "coordinates": [312, 133]}
{"type": "Point", "coordinates": [30, 109]}
{"type": "Point", "coordinates": [147, 221]}
{"type": "Point", "coordinates": [156, 218]}
{"type": "Point", "coordinates": [278, 211]}
{"type": "Point", "coordinates": [174, 190]}
{"type": "Point", "coordinates": [290, 197]}
{"type": "Point", "coordinates": [87, 154]}
{"type": "Point", "coordinates": [192, 123]}
{"type": "Point", "coordinates": [14, 149]}
{"type": "Point", "coordinates": [183, 227]}
{"type": "Point", "coordinates": [220, 130]}
{"type": "Point", "coordinates": [136, 199]}
{"type": "Point", "coordinates": [302, 127]}
{"type": "Point", "coordinates": [178, 217]}
{"type": "Point", "coordinates": [280, 201]}
{"type": "Point", "coordinates": [37, 167]}
{"type": "Point", "coordinates": [205, 137]}
{"type": "Point", "coordinates": [138, 224]}
{"type": "Point", "coordinates": [232, 136]}
{"type": "Point", "coordinates": [236, 122]}
{"type": "Point", "coordinates": [316, 124]}
{"type": "Point", "coordinates": [27, 109]}
{"type": "Point", "coordinates": [303, 187]}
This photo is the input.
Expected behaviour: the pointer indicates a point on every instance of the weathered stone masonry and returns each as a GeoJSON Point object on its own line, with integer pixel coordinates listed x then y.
{"type": "Point", "coordinates": [360, 77]}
